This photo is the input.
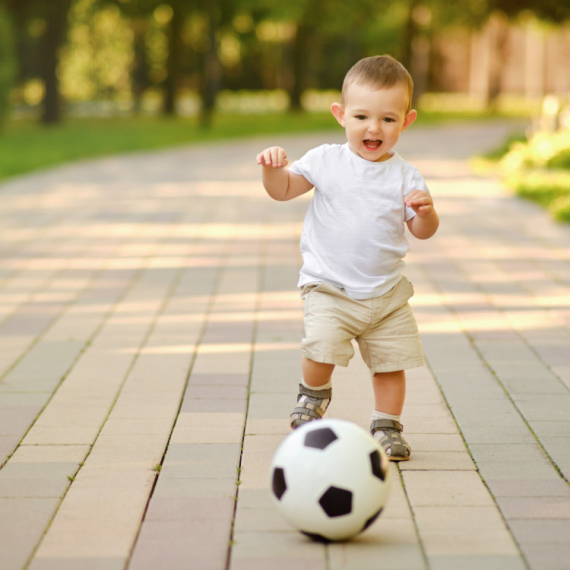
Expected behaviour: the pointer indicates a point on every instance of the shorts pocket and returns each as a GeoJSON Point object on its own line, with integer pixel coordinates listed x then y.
{"type": "Point", "coordinates": [307, 289]}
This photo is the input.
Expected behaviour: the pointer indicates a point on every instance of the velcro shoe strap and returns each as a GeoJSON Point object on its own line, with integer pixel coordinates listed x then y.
{"type": "Point", "coordinates": [320, 394]}
{"type": "Point", "coordinates": [306, 412]}
{"type": "Point", "coordinates": [386, 424]}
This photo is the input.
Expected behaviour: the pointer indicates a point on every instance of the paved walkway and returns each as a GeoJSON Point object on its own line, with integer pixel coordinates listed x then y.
{"type": "Point", "coordinates": [149, 358]}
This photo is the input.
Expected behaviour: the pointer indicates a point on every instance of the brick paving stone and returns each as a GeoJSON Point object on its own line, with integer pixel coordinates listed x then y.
{"type": "Point", "coordinates": [535, 507]}
{"type": "Point", "coordinates": [373, 556]}
{"type": "Point", "coordinates": [21, 480]}
{"type": "Point", "coordinates": [204, 452]}
{"type": "Point", "coordinates": [489, 434]}
{"type": "Point", "coordinates": [436, 442]}
{"type": "Point", "coordinates": [8, 444]}
{"type": "Point", "coordinates": [190, 508]}
{"type": "Point", "coordinates": [529, 487]}
{"type": "Point", "coordinates": [464, 530]}
{"type": "Point", "coordinates": [519, 452]}
{"type": "Point", "coordinates": [439, 461]}
{"type": "Point", "coordinates": [22, 524]}
{"type": "Point", "coordinates": [17, 420]}
{"type": "Point", "coordinates": [218, 379]}
{"type": "Point", "coordinates": [542, 469]}
{"type": "Point", "coordinates": [200, 470]}
{"type": "Point", "coordinates": [446, 488]}
{"type": "Point", "coordinates": [75, 563]}
{"type": "Point", "coordinates": [50, 454]}
{"type": "Point", "coordinates": [547, 556]}
{"type": "Point", "coordinates": [476, 563]}
{"type": "Point", "coordinates": [179, 545]}
{"type": "Point", "coordinates": [544, 531]}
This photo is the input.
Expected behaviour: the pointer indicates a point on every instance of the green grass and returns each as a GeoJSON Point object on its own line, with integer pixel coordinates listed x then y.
{"type": "Point", "coordinates": [26, 146]}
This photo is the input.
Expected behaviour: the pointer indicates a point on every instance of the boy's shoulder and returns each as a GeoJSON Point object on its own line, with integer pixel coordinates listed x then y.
{"type": "Point", "coordinates": [327, 150]}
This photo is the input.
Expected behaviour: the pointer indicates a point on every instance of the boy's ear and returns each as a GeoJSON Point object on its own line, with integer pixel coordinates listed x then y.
{"type": "Point", "coordinates": [338, 111]}
{"type": "Point", "coordinates": [409, 119]}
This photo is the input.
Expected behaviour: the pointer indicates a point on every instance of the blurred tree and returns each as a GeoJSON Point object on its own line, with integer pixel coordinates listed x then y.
{"type": "Point", "coordinates": [319, 24]}
{"type": "Point", "coordinates": [7, 63]}
{"type": "Point", "coordinates": [500, 13]}
{"type": "Point", "coordinates": [138, 12]}
{"type": "Point", "coordinates": [95, 62]}
{"type": "Point", "coordinates": [54, 15]}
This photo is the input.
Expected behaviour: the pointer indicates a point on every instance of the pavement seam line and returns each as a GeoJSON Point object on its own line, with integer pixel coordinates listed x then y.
{"type": "Point", "coordinates": [257, 306]}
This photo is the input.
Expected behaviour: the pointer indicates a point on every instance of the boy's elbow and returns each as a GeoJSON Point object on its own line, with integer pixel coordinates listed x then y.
{"type": "Point", "coordinates": [424, 232]}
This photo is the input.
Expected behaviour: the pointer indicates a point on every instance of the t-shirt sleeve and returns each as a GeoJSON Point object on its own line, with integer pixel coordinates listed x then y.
{"type": "Point", "coordinates": [414, 181]}
{"type": "Point", "coordinates": [309, 165]}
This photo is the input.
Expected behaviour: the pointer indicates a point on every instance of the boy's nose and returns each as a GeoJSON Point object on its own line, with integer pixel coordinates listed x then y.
{"type": "Point", "coordinates": [374, 128]}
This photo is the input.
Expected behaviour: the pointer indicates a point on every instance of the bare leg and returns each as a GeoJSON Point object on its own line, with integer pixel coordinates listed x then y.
{"type": "Point", "coordinates": [389, 392]}
{"type": "Point", "coordinates": [316, 373]}
{"type": "Point", "coordinates": [389, 396]}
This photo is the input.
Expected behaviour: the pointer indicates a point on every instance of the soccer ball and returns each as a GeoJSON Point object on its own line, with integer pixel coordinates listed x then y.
{"type": "Point", "coordinates": [330, 479]}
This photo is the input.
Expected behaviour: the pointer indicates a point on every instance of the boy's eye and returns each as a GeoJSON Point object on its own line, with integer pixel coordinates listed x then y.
{"type": "Point", "coordinates": [361, 117]}
{"type": "Point", "coordinates": [389, 120]}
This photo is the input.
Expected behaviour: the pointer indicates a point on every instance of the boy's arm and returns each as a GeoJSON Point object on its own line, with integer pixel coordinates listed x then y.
{"type": "Point", "coordinates": [426, 221]}
{"type": "Point", "coordinates": [279, 183]}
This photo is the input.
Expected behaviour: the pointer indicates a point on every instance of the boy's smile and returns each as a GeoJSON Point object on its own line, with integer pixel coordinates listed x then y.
{"type": "Point", "coordinates": [373, 119]}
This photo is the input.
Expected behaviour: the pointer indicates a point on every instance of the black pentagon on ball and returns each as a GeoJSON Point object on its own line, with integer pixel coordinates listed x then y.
{"type": "Point", "coordinates": [279, 483]}
{"type": "Point", "coordinates": [372, 519]}
{"type": "Point", "coordinates": [336, 502]}
{"type": "Point", "coordinates": [320, 438]}
{"type": "Point", "coordinates": [376, 462]}
{"type": "Point", "coordinates": [316, 537]}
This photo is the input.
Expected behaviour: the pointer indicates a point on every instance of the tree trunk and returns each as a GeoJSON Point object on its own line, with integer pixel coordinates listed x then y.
{"type": "Point", "coordinates": [139, 72]}
{"type": "Point", "coordinates": [300, 57]}
{"type": "Point", "coordinates": [410, 30]}
{"type": "Point", "coordinates": [173, 63]}
{"type": "Point", "coordinates": [54, 37]}
{"type": "Point", "coordinates": [211, 72]}
{"type": "Point", "coordinates": [498, 32]}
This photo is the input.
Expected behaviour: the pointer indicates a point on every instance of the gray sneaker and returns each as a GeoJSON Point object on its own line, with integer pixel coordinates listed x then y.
{"type": "Point", "coordinates": [388, 433]}
{"type": "Point", "coordinates": [311, 405]}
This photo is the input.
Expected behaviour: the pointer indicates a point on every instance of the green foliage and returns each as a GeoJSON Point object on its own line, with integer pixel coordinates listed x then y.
{"type": "Point", "coordinates": [560, 208]}
{"type": "Point", "coordinates": [560, 160]}
{"type": "Point", "coordinates": [96, 61]}
{"type": "Point", "coordinates": [541, 186]}
{"type": "Point", "coordinates": [539, 170]}
{"type": "Point", "coordinates": [7, 63]}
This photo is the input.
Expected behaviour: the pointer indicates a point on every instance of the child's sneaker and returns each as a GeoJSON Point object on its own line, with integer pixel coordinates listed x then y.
{"type": "Point", "coordinates": [311, 405]}
{"type": "Point", "coordinates": [388, 433]}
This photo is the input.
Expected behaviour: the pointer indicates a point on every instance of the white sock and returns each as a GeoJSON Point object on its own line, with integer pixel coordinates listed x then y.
{"type": "Point", "coordinates": [376, 415]}
{"type": "Point", "coordinates": [323, 387]}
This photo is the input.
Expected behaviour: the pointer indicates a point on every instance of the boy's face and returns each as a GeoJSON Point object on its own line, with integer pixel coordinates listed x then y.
{"type": "Point", "coordinates": [373, 119]}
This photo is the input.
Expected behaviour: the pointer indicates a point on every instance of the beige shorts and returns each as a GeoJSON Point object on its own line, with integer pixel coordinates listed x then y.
{"type": "Point", "coordinates": [384, 327]}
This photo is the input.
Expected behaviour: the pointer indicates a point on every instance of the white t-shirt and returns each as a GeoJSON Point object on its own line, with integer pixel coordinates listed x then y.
{"type": "Point", "coordinates": [353, 235]}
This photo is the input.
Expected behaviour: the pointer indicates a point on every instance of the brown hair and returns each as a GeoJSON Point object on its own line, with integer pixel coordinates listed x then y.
{"type": "Point", "coordinates": [379, 72]}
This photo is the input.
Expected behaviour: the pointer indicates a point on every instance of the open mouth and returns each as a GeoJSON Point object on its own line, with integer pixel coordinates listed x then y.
{"type": "Point", "coordinates": [372, 144]}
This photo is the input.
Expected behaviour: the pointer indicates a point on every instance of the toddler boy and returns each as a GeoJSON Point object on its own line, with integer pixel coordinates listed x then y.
{"type": "Point", "coordinates": [353, 244]}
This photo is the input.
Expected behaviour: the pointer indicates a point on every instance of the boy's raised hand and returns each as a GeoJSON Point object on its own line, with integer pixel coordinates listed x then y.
{"type": "Point", "coordinates": [421, 202]}
{"type": "Point", "coordinates": [273, 157]}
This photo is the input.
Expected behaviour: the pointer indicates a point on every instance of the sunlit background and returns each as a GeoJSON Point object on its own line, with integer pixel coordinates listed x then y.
{"type": "Point", "coordinates": [110, 76]}
{"type": "Point", "coordinates": [104, 57]}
